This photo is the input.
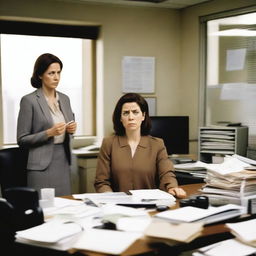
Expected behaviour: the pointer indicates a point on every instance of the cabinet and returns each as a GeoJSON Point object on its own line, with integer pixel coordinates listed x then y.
{"type": "Point", "coordinates": [87, 172]}
{"type": "Point", "coordinates": [220, 141]}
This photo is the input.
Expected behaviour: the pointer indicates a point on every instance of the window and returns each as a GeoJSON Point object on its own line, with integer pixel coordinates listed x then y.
{"type": "Point", "coordinates": [74, 45]}
{"type": "Point", "coordinates": [229, 63]}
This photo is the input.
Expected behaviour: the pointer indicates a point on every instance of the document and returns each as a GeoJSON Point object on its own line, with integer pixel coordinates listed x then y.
{"type": "Point", "coordinates": [244, 231]}
{"type": "Point", "coordinates": [207, 216]}
{"type": "Point", "coordinates": [173, 233]}
{"type": "Point", "coordinates": [134, 224]}
{"type": "Point", "coordinates": [151, 194]}
{"type": "Point", "coordinates": [147, 198]}
{"type": "Point", "coordinates": [106, 241]}
{"type": "Point", "coordinates": [228, 247]}
{"type": "Point", "coordinates": [54, 234]}
{"type": "Point", "coordinates": [231, 164]}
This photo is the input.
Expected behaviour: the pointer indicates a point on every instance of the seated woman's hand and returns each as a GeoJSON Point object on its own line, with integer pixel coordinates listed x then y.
{"type": "Point", "coordinates": [177, 192]}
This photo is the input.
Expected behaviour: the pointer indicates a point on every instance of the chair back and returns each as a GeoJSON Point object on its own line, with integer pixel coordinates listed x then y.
{"type": "Point", "coordinates": [13, 163]}
{"type": "Point", "coordinates": [7, 230]}
{"type": "Point", "coordinates": [25, 202]}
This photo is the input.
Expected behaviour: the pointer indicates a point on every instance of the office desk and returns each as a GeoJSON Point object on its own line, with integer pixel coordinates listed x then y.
{"type": "Point", "coordinates": [210, 234]}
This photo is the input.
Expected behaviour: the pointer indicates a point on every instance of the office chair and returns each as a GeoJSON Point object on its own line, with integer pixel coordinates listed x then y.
{"type": "Point", "coordinates": [13, 163]}
{"type": "Point", "coordinates": [7, 231]}
{"type": "Point", "coordinates": [25, 202]}
{"type": "Point", "coordinates": [8, 225]}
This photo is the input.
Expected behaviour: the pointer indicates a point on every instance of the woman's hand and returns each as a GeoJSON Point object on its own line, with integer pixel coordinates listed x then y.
{"type": "Point", "coordinates": [57, 129]}
{"type": "Point", "coordinates": [71, 127]}
{"type": "Point", "coordinates": [177, 192]}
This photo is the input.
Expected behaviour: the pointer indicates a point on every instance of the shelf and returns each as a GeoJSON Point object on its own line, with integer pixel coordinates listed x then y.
{"type": "Point", "coordinates": [216, 141]}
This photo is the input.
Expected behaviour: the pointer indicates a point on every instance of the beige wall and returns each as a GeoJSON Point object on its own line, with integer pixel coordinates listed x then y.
{"type": "Point", "coordinates": [171, 36]}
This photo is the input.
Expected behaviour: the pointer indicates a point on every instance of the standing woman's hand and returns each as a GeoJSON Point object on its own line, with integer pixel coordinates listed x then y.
{"type": "Point", "coordinates": [71, 127]}
{"type": "Point", "coordinates": [57, 129]}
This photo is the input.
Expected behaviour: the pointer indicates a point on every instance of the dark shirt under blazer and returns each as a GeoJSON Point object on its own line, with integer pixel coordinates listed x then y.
{"type": "Point", "coordinates": [149, 168]}
{"type": "Point", "coordinates": [33, 121]}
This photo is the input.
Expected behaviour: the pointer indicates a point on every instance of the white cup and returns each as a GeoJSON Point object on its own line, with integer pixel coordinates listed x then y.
{"type": "Point", "coordinates": [46, 203]}
{"type": "Point", "coordinates": [47, 197]}
{"type": "Point", "coordinates": [47, 193]}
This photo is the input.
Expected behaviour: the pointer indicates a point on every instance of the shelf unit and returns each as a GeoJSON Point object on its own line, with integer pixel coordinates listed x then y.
{"type": "Point", "coordinates": [222, 140]}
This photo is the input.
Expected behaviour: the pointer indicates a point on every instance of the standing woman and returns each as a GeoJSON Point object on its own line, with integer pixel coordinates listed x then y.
{"type": "Point", "coordinates": [132, 159]}
{"type": "Point", "coordinates": [45, 126]}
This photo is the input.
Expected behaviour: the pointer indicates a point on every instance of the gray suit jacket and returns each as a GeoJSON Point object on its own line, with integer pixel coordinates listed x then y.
{"type": "Point", "coordinates": [33, 121]}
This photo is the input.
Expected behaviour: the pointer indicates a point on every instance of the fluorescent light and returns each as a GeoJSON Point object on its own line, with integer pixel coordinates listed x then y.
{"type": "Point", "coordinates": [234, 32]}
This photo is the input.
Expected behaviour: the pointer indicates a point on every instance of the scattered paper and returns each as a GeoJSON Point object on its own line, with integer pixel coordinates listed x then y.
{"type": "Point", "coordinates": [183, 232]}
{"type": "Point", "coordinates": [193, 214]}
{"type": "Point", "coordinates": [106, 241]}
{"type": "Point", "coordinates": [50, 232]}
{"type": "Point", "coordinates": [227, 247]}
{"type": "Point", "coordinates": [244, 231]}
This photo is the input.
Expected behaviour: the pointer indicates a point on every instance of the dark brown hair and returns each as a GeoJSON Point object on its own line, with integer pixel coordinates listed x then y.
{"type": "Point", "coordinates": [131, 97]}
{"type": "Point", "coordinates": [41, 65]}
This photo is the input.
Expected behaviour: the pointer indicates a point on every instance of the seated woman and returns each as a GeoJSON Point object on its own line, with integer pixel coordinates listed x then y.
{"type": "Point", "coordinates": [132, 159]}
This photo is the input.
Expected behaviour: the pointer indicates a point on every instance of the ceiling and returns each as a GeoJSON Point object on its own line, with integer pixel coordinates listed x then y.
{"type": "Point", "coordinates": [173, 4]}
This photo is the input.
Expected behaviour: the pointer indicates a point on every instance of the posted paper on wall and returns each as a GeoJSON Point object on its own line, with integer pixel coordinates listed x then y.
{"type": "Point", "coordinates": [138, 74]}
{"type": "Point", "coordinates": [235, 59]}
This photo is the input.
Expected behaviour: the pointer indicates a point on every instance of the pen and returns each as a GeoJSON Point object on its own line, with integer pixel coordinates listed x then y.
{"type": "Point", "coordinates": [70, 122]}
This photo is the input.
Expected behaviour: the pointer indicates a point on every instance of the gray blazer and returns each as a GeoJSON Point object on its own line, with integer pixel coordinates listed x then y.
{"type": "Point", "coordinates": [33, 120]}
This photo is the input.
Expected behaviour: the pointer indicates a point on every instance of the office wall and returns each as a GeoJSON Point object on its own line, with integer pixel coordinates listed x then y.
{"type": "Point", "coordinates": [171, 36]}
{"type": "Point", "coordinates": [126, 31]}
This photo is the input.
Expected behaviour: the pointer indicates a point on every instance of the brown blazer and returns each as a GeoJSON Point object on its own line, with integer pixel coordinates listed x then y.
{"type": "Point", "coordinates": [149, 168]}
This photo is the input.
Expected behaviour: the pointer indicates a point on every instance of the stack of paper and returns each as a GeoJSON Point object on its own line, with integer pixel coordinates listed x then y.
{"type": "Point", "coordinates": [244, 231]}
{"type": "Point", "coordinates": [230, 183]}
{"type": "Point", "coordinates": [69, 209]}
{"type": "Point", "coordinates": [161, 231]}
{"type": "Point", "coordinates": [206, 216]}
{"type": "Point", "coordinates": [191, 169]}
{"type": "Point", "coordinates": [53, 234]}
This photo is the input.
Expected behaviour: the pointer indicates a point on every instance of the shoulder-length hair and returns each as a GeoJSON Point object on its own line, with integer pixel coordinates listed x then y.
{"type": "Point", "coordinates": [116, 118]}
{"type": "Point", "coordinates": [41, 65]}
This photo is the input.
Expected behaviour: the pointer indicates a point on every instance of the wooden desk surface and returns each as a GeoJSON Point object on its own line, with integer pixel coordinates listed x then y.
{"type": "Point", "coordinates": [142, 247]}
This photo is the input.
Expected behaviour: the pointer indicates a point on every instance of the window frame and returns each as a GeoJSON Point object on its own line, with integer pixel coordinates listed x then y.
{"type": "Point", "coordinates": [203, 55]}
{"type": "Point", "coordinates": [71, 29]}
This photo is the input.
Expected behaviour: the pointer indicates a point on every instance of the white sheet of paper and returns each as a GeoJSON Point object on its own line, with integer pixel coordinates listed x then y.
{"type": "Point", "coordinates": [151, 194]}
{"type": "Point", "coordinates": [134, 224]}
{"type": "Point", "coordinates": [96, 196]}
{"type": "Point", "coordinates": [122, 210]}
{"type": "Point", "coordinates": [106, 241]}
{"type": "Point", "coordinates": [228, 247]}
{"type": "Point", "coordinates": [138, 74]}
{"type": "Point", "coordinates": [245, 229]}
{"type": "Point", "coordinates": [190, 213]}
{"type": "Point", "coordinates": [235, 59]}
{"type": "Point", "coordinates": [50, 232]}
